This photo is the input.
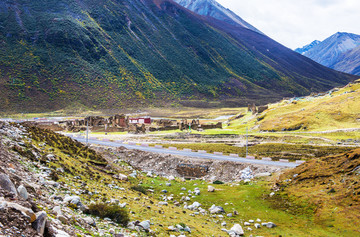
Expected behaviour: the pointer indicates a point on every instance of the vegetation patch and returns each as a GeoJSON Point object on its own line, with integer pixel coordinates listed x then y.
{"type": "Point", "coordinates": [113, 211]}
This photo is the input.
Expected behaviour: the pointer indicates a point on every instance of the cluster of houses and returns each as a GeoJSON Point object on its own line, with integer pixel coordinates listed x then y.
{"type": "Point", "coordinates": [123, 123]}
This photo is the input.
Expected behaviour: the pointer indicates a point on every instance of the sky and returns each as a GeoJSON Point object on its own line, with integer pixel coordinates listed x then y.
{"type": "Point", "coordinates": [295, 23]}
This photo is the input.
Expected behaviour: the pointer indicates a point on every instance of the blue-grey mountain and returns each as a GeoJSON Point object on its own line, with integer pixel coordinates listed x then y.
{"type": "Point", "coordinates": [338, 52]}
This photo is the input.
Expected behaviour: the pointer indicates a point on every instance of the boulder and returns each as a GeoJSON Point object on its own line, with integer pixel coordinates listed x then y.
{"type": "Point", "coordinates": [121, 177]}
{"type": "Point", "coordinates": [23, 192]}
{"type": "Point", "coordinates": [211, 189]}
{"type": "Point", "coordinates": [145, 225]}
{"type": "Point", "coordinates": [194, 206]}
{"type": "Point", "coordinates": [63, 219]}
{"type": "Point", "coordinates": [90, 221]}
{"type": "Point", "coordinates": [237, 229]}
{"type": "Point", "coordinates": [7, 184]}
{"type": "Point", "coordinates": [57, 210]}
{"type": "Point", "coordinates": [25, 211]}
{"type": "Point", "coordinates": [270, 225]}
{"type": "Point", "coordinates": [216, 209]}
{"type": "Point", "coordinates": [39, 223]}
{"type": "Point", "coordinates": [75, 200]}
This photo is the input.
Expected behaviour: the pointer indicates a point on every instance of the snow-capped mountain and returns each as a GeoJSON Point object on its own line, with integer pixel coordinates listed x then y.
{"type": "Point", "coordinates": [335, 51]}
{"type": "Point", "coordinates": [214, 9]}
{"type": "Point", "coordinates": [308, 47]}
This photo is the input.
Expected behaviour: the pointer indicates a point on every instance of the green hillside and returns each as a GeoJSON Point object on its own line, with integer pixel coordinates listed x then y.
{"type": "Point", "coordinates": [113, 54]}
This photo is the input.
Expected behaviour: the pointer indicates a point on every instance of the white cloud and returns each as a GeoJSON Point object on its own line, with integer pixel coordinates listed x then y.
{"type": "Point", "coordinates": [295, 23]}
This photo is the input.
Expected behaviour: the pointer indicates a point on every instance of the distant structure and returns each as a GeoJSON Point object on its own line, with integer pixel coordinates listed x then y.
{"type": "Point", "coordinates": [255, 110]}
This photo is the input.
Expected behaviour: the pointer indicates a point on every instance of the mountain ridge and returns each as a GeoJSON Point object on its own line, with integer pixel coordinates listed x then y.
{"type": "Point", "coordinates": [335, 52]}
{"type": "Point", "coordinates": [141, 53]}
{"type": "Point", "coordinates": [213, 9]}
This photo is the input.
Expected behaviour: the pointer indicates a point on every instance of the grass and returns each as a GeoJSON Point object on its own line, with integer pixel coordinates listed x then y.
{"type": "Point", "coordinates": [274, 150]}
{"type": "Point", "coordinates": [336, 111]}
{"type": "Point", "coordinates": [251, 201]}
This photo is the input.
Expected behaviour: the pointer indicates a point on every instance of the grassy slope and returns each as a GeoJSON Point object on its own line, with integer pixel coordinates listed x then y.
{"type": "Point", "coordinates": [330, 112]}
{"type": "Point", "coordinates": [249, 200]}
{"type": "Point", "coordinates": [111, 54]}
{"type": "Point", "coordinates": [332, 185]}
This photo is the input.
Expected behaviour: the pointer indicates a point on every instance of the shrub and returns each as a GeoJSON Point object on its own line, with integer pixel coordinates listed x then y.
{"type": "Point", "coordinates": [112, 211]}
{"type": "Point", "coordinates": [218, 182]}
{"type": "Point", "coordinates": [140, 189]}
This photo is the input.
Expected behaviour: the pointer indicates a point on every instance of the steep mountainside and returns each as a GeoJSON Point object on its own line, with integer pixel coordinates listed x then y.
{"type": "Point", "coordinates": [214, 9]}
{"type": "Point", "coordinates": [349, 62]}
{"type": "Point", "coordinates": [112, 54]}
{"type": "Point", "coordinates": [335, 52]}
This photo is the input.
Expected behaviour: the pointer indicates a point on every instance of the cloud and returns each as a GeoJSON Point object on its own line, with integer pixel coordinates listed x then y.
{"type": "Point", "coordinates": [296, 23]}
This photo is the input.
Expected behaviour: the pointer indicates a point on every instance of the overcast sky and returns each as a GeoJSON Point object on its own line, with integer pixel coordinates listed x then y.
{"type": "Point", "coordinates": [295, 23]}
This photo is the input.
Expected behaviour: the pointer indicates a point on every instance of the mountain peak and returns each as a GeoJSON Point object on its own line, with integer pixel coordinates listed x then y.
{"type": "Point", "coordinates": [308, 47]}
{"type": "Point", "coordinates": [330, 52]}
{"type": "Point", "coordinates": [213, 9]}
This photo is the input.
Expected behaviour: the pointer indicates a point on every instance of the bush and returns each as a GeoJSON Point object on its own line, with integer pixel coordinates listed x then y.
{"type": "Point", "coordinates": [218, 182]}
{"type": "Point", "coordinates": [112, 211]}
{"type": "Point", "coordinates": [140, 189]}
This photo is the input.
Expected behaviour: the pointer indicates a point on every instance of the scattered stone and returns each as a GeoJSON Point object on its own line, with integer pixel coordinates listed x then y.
{"type": "Point", "coordinates": [75, 200]}
{"type": "Point", "coordinates": [145, 225]}
{"type": "Point", "coordinates": [237, 229]}
{"type": "Point", "coordinates": [163, 203]}
{"type": "Point", "coordinates": [216, 209]}
{"type": "Point", "coordinates": [270, 225]}
{"type": "Point", "coordinates": [25, 211]}
{"type": "Point", "coordinates": [23, 192]}
{"type": "Point", "coordinates": [63, 219]}
{"type": "Point", "coordinates": [229, 215]}
{"type": "Point", "coordinates": [6, 184]}
{"type": "Point", "coordinates": [257, 225]}
{"type": "Point", "coordinates": [211, 189]}
{"type": "Point", "coordinates": [183, 189]}
{"type": "Point", "coordinates": [90, 221]}
{"type": "Point", "coordinates": [57, 210]}
{"type": "Point", "coordinates": [39, 223]}
{"type": "Point", "coordinates": [246, 174]}
{"type": "Point", "coordinates": [168, 184]}
{"type": "Point", "coordinates": [246, 223]}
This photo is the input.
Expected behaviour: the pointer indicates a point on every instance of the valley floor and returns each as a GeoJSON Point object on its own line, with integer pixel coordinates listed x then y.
{"type": "Point", "coordinates": [64, 179]}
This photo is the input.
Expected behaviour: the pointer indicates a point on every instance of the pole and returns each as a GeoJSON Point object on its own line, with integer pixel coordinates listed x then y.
{"type": "Point", "coordinates": [247, 142]}
{"type": "Point", "coordinates": [87, 132]}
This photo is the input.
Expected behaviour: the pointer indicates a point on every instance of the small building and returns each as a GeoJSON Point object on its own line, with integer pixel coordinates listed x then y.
{"type": "Point", "coordinates": [146, 120]}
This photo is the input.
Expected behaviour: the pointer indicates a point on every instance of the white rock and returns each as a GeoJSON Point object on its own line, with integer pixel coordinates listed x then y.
{"type": "Point", "coordinates": [23, 192]}
{"type": "Point", "coordinates": [145, 224]}
{"type": "Point", "coordinates": [237, 229]}
{"type": "Point", "coordinates": [257, 225]}
{"type": "Point", "coordinates": [211, 189]}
